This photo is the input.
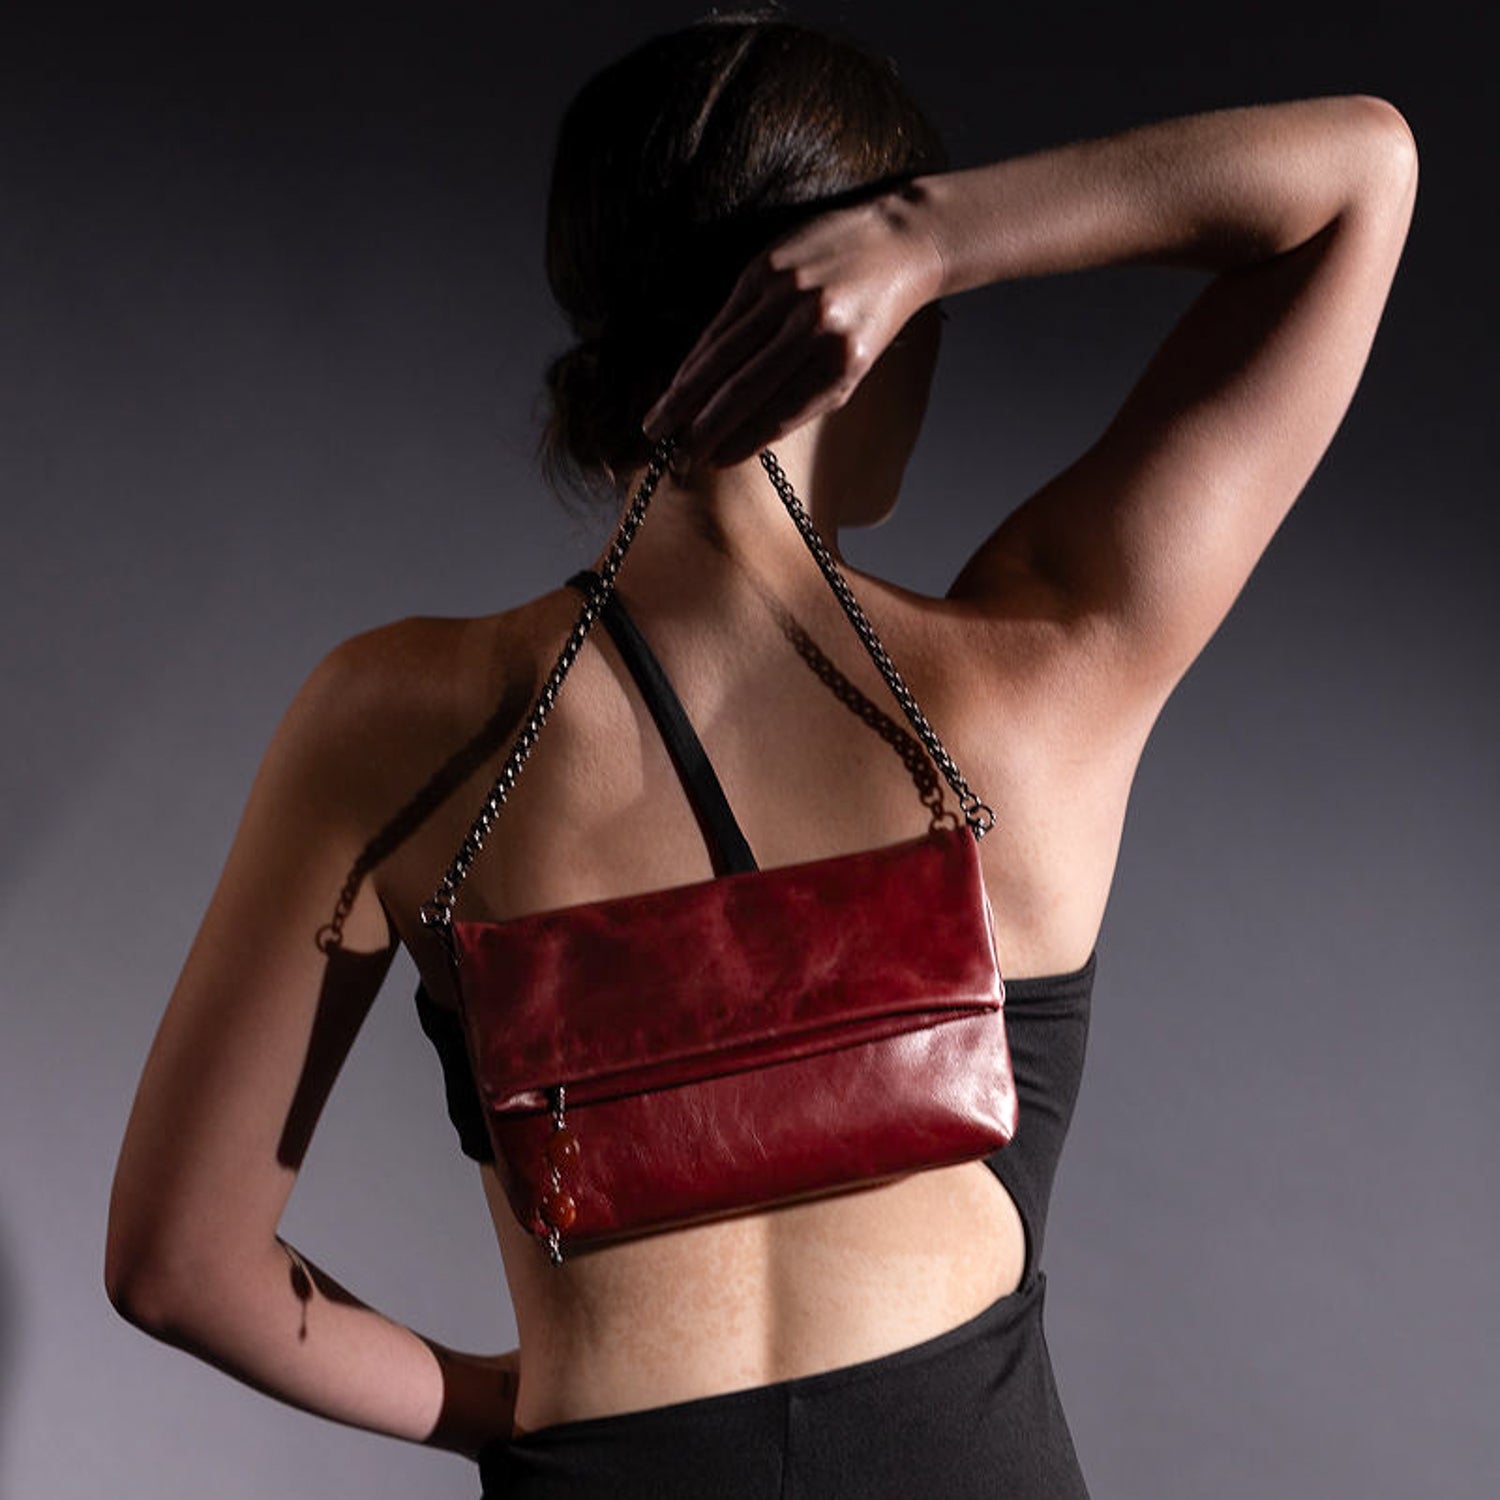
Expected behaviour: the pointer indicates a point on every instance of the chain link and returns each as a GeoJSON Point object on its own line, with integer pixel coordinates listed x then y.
{"type": "Point", "coordinates": [437, 911]}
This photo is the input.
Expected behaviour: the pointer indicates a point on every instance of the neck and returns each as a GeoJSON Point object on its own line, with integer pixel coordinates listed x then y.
{"type": "Point", "coordinates": [705, 524]}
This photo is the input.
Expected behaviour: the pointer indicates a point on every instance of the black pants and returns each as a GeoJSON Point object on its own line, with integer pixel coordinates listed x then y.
{"type": "Point", "coordinates": [971, 1413]}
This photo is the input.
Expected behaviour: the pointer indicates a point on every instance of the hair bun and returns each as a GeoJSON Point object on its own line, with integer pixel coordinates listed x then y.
{"type": "Point", "coordinates": [592, 424]}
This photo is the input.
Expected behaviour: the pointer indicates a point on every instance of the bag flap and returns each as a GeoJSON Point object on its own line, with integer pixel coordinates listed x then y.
{"type": "Point", "coordinates": [696, 980]}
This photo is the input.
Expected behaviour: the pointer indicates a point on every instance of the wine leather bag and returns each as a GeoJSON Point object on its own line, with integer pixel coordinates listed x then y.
{"type": "Point", "coordinates": [657, 1059]}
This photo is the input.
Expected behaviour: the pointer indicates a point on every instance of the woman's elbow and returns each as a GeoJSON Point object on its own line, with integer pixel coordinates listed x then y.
{"type": "Point", "coordinates": [148, 1277]}
{"type": "Point", "coordinates": [136, 1300]}
{"type": "Point", "coordinates": [1389, 147]}
{"type": "Point", "coordinates": [138, 1283]}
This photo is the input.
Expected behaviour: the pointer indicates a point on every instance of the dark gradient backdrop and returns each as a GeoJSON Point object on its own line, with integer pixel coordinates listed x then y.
{"type": "Point", "coordinates": [271, 322]}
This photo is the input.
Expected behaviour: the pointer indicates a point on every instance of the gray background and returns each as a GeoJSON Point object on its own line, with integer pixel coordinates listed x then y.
{"type": "Point", "coordinates": [271, 324]}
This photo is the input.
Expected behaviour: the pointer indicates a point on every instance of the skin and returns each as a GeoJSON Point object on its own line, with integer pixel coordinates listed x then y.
{"type": "Point", "coordinates": [1044, 666]}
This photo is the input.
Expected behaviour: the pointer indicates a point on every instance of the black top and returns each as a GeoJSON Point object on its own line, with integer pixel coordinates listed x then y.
{"type": "Point", "coordinates": [1046, 1018]}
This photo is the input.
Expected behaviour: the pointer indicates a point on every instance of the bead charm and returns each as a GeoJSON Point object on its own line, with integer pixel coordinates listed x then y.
{"type": "Point", "coordinates": [558, 1209]}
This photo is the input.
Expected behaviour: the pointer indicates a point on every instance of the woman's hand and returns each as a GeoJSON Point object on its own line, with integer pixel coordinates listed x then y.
{"type": "Point", "coordinates": [479, 1399]}
{"type": "Point", "coordinates": [806, 321]}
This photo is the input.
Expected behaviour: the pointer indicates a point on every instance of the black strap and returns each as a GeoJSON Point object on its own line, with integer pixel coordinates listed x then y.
{"type": "Point", "coordinates": [727, 846]}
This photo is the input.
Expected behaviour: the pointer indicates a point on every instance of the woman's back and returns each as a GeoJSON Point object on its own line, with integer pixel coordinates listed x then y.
{"type": "Point", "coordinates": [800, 728]}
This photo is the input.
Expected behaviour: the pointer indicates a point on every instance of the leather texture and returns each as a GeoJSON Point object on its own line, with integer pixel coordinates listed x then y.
{"type": "Point", "coordinates": [743, 1041]}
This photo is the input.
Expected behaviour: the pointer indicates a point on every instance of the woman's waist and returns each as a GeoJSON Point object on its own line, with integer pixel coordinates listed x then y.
{"type": "Point", "coordinates": [762, 1299]}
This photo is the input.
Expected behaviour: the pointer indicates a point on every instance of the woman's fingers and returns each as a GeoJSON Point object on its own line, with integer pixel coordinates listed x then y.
{"type": "Point", "coordinates": [816, 363]}
{"type": "Point", "coordinates": [778, 368]}
{"type": "Point", "coordinates": [750, 320]}
{"type": "Point", "coordinates": [805, 395]}
{"type": "Point", "coordinates": [727, 345]}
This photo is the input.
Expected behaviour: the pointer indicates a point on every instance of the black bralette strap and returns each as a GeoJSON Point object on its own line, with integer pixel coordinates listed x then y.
{"type": "Point", "coordinates": [727, 845]}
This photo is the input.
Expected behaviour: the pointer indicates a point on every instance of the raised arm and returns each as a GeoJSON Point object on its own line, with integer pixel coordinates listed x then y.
{"type": "Point", "coordinates": [1302, 209]}
{"type": "Point", "coordinates": [1141, 545]}
{"type": "Point", "coordinates": [261, 1018]}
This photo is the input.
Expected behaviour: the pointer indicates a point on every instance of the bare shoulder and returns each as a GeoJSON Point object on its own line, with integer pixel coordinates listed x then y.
{"type": "Point", "coordinates": [420, 678]}
{"type": "Point", "coordinates": [406, 722]}
{"type": "Point", "coordinates": [371, 711]}
{"type": "Point", "coordinates": [373, 693]}
{"type": "Point", "coordinates": [1006, 654]}
{"type": "Point", "coordinates": [403, 665]}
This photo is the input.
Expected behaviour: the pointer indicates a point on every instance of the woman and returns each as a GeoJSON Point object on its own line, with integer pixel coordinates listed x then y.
{"type": "Point", "coordinates": [751, 229]}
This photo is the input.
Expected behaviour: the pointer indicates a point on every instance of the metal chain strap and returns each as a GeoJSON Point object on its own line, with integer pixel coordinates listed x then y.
{"type": "Point", "coordinates": [437, 911]}
{"type": "Point", "coordinates": [977, 814]}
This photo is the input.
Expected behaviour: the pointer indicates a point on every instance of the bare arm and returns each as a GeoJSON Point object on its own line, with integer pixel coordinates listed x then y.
{"type": "Point", "coordinates": [1139, 547]}
{"type": "Point", "coordinates": [1302, 209]}
{"type": "Point", "coordinates": [258, 1025]}
{"type": "Point", "coordinates": [1212, 191]}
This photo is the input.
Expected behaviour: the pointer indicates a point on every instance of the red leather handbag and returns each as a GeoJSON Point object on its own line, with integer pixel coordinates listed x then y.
{"type": "Point", "coordinates": [765, 1036]}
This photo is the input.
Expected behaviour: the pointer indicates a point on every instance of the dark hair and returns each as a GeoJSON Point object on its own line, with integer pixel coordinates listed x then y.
{"type": "Point", "coordinates": [674, 167]}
